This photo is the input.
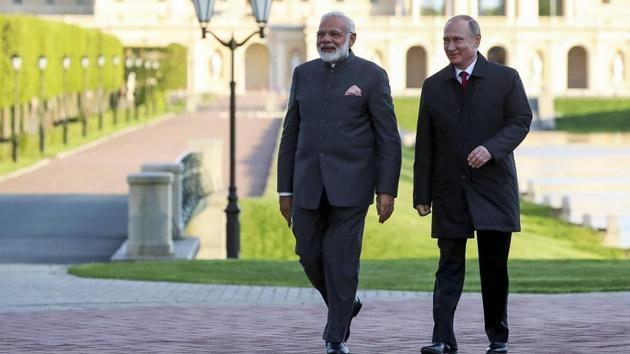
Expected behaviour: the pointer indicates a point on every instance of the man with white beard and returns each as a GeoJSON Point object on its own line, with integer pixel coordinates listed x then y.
{"type": "Point", "coordinates": [340, 146]}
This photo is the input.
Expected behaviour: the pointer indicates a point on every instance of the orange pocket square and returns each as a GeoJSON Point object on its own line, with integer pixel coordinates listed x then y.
{"type": "Point", "coordinates": [354, 90]}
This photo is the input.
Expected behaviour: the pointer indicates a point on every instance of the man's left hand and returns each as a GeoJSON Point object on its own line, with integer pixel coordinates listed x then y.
{"type": "Point", "coordinates": [384, 207]}
{"type": "Point", "coordinates": [479, 157]}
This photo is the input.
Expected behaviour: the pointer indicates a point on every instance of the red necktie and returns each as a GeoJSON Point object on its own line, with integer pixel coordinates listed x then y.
{"type": "Point", "coordinates": [464, 76]}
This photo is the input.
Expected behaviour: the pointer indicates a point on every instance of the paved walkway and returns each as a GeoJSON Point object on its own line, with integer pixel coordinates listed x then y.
{"type": "Point", "coordinates": [44, 310]}
{"type": "Point", "coordinates": [79, 199]}
{"type": "Point", "coordinates": [103, 168]}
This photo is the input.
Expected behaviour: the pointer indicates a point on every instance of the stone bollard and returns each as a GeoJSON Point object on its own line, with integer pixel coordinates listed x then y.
{"type": "Point", "coordinates": [546, 200]}
{"type": "Point", "coordinates": [149, 233]}
{"type": "Point", "coordinates": [587, 220]}
{"type": "Point", "coordinates": [176, 170]}
{"type": "Point", "coordinates": [611, 237]}
{"type": "Point", "coordinates": [565, 209]}
{"type": "Point", "coordinates": [530, 194]}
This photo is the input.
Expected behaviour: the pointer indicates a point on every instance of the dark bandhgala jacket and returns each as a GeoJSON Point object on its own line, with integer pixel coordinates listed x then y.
{"type": "Point", "coordinates": [346, 144]}
{"type": "Point", "coordinates": [493, 112]}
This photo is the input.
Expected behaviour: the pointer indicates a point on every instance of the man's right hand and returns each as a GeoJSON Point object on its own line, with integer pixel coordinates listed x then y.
{"type": "Point", "coordinates": [423, 209]}
{"type": "Point", "coordinates": [286, 203]}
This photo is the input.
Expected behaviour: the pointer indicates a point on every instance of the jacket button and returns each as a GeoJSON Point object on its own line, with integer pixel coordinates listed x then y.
{"type": "Point", "coordinates": [325, 103]}
{"type": "Point", "coordinates": [321, 155]}
{"type": "Point", "coordinates": [463, 176]}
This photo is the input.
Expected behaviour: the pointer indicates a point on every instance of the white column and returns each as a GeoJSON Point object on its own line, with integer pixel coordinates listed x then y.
{"type": "Point", "coordinates": [527, 12]}
{"type": "Point", "coordinates": [416, 10]}
{"type": "Point", "coordinates": [510, 11]}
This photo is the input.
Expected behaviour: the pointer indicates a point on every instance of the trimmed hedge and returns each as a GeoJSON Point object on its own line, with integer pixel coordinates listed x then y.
{"type": "Point", "coordinates": [30, 38]}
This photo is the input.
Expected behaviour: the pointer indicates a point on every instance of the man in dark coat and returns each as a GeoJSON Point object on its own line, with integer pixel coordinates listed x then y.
{"type": "Point", "coordinates": [340, 145]}
{"type": "Point", "coordinates": [473, 114]}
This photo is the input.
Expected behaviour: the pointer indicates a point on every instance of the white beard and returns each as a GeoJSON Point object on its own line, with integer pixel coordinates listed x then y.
{"type": "Point", "coordinates": [338, 54]}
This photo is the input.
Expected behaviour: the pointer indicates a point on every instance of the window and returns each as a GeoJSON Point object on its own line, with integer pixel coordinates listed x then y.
{"type": "Point", "coordinates": [497, 55]}
{"type": "Point", "coordinates": [550, 8]}
{"type": "Point", "coordinates": [433, 7]}
{"type": "Point", "coordinates": [491, 8]}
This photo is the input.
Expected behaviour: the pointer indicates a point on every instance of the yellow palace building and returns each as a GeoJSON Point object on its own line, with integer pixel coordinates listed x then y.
{"type": "Point", "coordinates": [560, 47]}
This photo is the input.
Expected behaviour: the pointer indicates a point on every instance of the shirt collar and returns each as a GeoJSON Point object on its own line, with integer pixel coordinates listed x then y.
{"type": "Point", "coordinates": [469, 69]}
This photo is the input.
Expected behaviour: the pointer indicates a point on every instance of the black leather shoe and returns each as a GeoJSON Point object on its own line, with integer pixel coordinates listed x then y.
{"type": "Point", "coordinates": [337, 348]}
{"type": "Point", "coordinates": [439, 348]}
{"type": "Point", "coordinates": [355, 311]}
{"type": "Point", "coordinates": [497, 347]}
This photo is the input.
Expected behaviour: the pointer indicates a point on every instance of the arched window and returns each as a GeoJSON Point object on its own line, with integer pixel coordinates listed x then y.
{"type": "Point", "coordinates": [577, 68]}
{"type": "Point", "coordinates": [256, 67]}
{"type": "Point", "coordinates": [497, 55]}
{"type": "Point", "coordinates": [377, 58]}
{"type": "Point", "coordinates": [416, 67]}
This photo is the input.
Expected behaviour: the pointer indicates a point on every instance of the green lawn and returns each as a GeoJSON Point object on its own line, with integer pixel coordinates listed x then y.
{"type": "Point", "coordinates": [575, 115]}
{"type": "Point", "coordinates": [526, 276]}
{"type": "Point", "coordinates": [265, 234]}
{"type": "Point", "coordinates": [407, 112]}
{"type": "Point", "coordinates": [548, 256]}
{"type": "Point", "coordinates": [588, 115]}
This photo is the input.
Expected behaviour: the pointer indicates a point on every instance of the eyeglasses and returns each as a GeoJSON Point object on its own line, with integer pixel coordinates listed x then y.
{"type": "Point", "coordinates": [332, 34]}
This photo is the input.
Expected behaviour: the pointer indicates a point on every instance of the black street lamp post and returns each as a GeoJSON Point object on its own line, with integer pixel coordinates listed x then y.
{"type": "Point", "coordinates": [16, 63]}
{"type": "Point", "coordinates": [66, 65]}
{"type": "Point", "coordinates": [136, 101]}
{"type": "Point", "coordinates": [129, 65]}
{"type": "Point", "coordinates": [101, 62]}
{"type": "Point", "coordinates": [154, 82]}
{"type": "Point", "coordinates": [148, 64]}
{"type": "Point", "coordinates": [42, 62]}
{"type": "Point", "coordinates": [85, 62]}
{"type": "Point", "coordinates": [115, 96]}
{"type": "Point", "coordinates": [204, 10]}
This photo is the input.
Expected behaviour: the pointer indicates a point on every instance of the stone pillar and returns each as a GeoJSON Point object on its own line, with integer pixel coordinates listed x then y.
{"type": "Point", "coordinates": [565, 209]}
{"type": "Point", "coordinates": [149, 232]}
{"type": "Point", "coordinates": [176, 171]}
{"type": "Point", "coordinates": [611, 237]}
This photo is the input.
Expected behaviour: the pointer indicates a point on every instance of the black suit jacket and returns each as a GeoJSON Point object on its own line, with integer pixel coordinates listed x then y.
{"type": "Point", "coordinates": [493, 112]}
{"type": "Point", "coordinates": [347, 145]}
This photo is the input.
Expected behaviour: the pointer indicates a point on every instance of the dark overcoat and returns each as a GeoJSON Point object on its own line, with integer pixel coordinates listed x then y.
{"type": "Point", "coordinates": [346, 144]}
{"type": "Point", "coordinates": [493, 112]}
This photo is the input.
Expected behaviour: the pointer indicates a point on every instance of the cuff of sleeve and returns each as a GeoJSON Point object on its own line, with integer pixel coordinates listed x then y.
{"type": "Point", "coordinates": [285, 194]}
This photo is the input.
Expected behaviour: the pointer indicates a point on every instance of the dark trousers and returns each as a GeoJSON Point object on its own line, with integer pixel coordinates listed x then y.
{"type": "Point", "coordinates": [494, 247]}
{"type": "Point", "coordinates": [328, 242]}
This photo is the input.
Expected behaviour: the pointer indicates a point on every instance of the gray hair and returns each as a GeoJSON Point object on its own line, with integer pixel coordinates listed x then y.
{"type": "Point", "coordinates": [473, 25]}
{"type": "Point", "coordinates": [341, 15]}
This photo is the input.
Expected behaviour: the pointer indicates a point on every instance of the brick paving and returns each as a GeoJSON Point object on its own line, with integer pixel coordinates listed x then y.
{"type": "Point", "coordinates": [44, 310]}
